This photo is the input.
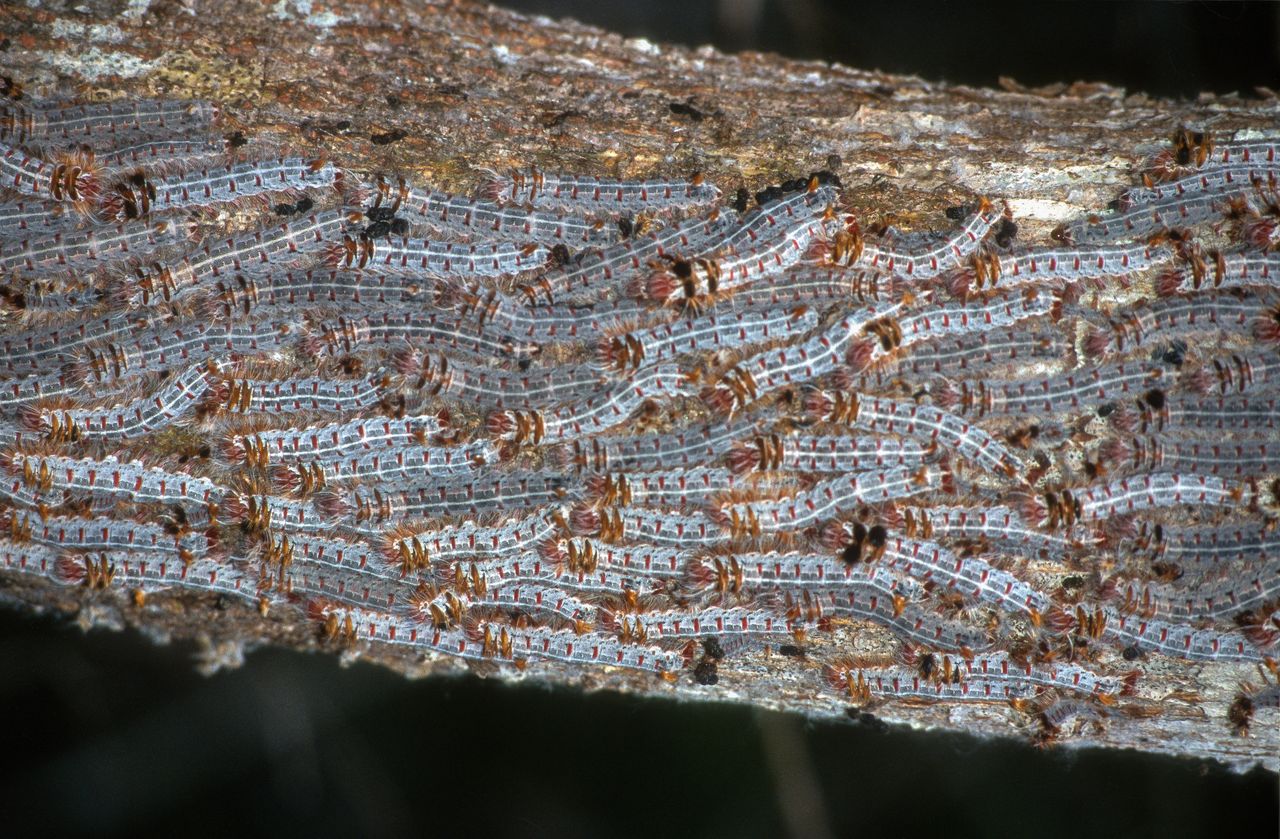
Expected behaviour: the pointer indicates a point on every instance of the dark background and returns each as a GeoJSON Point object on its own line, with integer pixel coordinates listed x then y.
{"type": "Point", "coordinates": [1169, 49]}
{"type": "Point", "coordinates": [109, 734]}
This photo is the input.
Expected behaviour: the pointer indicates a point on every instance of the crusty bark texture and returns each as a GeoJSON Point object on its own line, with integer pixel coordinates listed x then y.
{"type": "Point", "coordinates": [471, 86]}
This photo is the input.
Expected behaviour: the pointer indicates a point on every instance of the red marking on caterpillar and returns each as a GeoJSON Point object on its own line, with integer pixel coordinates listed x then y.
{"type": "Point", "coordinates": [1060, 264]}
{"type": "Point", "coordinates": [166, 406]}
{"type": "Point", "coordinates": [74, 180]}
{"type": "Point", "coordinates": [1235, 374]}
{"type": "Point", "coordinates": [247, 254]}
{"type": "Point", "coordinates": [99, 246]}
{"type": "Point", "coordinates": [922, 422]}
{"type": "Point", "coordinates": [1198, 601]}
{"type": "Point", "coordinates": [100, 123]}
{"type": "Point", "coordinates": [437, 258]}
{"type": "Point", "coordinates": [453, 214]}
{"type": "Point", "coordinates": [34, 559]}
{"type": "Point", "coordinates": [889, 335]}
{"type": "Point", "coordinates": [331, 441]}
{"type": "Point", "coordinates": [463, 496]}
{"type": "Point", "coordinates": [774, 369]}
{"type": "Point", "coordinates": [575, 193]}
{"type": "Point", "coordinates": [709, 333]}
{"type": "Point", "coordinates": [693, 282]}
{"type": "Point", "coordinates": [1060, 394]}
{"type": "Point", "coordinates": [139, 194]}
{"type": "Point", "coordinates": [1228, 154]}
{"type": "Point", "coordinates": [597, 271]}
{"type": "Point", "coordinates": [589, 415]}
{"type": "Point", "coordinates": [1167, 638]}
{"type": "Point", "coordinates": [851, 249]}
{"type": "Point", "coordinates": [1215, 269]}
{"type": "Point", "coordinates": [661, 527]}
{"type": "Point", "coordinates": [826, 499]}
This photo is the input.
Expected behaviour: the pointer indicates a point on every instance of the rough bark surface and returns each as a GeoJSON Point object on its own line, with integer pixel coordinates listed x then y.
{"type": "Point", "coordinates": [473, 86]}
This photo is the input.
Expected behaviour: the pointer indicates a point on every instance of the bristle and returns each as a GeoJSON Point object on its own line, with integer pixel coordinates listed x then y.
{"type": "Point", "coordinates": [69, 569]}
{"type": "Point", "coordinates": [473, 627]}
{"type": "Point", "coordinates": [718, 399]}
{"type": "Point", "coordinates": [946, 395]}
{"type": "Point", "coordinates": [1096, 343]}
{"type": "Point", "coordinates": [1263, 234]}
{"type": "Point", "coordinates": [232, 450]}
{"type": "Point", "coordinates": [597, 484]}
{"type": "Point", "coordinates": [331, 504]}
{"type": "Point", "coordinates": [1059, 620]}
{"type": "Point", "coordinates": [584, 521]}
{"type": "Point", "coordinates": [859, 355]}
{"type": "Point", "coordinates": [817, 404]}
{"type": "Point", "coordinates": [607, 620]}
{"type": "Point", "coordinates": [285, 477]}
{"type": "Point", "coordinates": [742, 458]}
{"type": "Point", "coordinates": [233, 507]}
{"type": "Point", "coordinates": [820, 250]}
{"type": "Point", "coordinates": [491, 190]}
{"type": "Point", "coordinates": [1201, 381]}
{"type": "Point", "coordinates": [499, 423]}
{"type": "Point", "coordinates": [109, 209]}
{"type": "Point", "coordinates": [607, 352]}
{"type": "Point", "coordinates": [1169, 281]}
{"type": "Point", "coordinates": [319, 609]}
{"type": "Point", "coordinates": [834, 535]}
{"type": "Point", "coordinates": [700, 573]}
{"type": "Point", "coordinates": [1267, 327]}
{"type": "Point", "coordinates": [836, 676]}
{"type": "Point", "coordinates": [1260, 636]}
{"type": "Point", "coordinates": [958, 282]}
{"type": "Point", "coordinates": [31, 417]}
{"type": "Point", "coordinates": [407, 361]}
{"type": "Point", "coordinates": [1030, 507]}
{"type": "Point", "coordinates": [1115, 452]}
{"type": "Point", "coordinates": [561, 456]}
{"type": "Point", "coordinates": [1123, 418]}
{"type": "Point", "coordinates": [843, 379]}
{"type": "Point", "coordinates": [333, 254]}
{"type": "Point", "coordinates": [314, 345]}
{"type": "Point", "coordinates": [551, 550]}
{"type": "Point", "coordinates": [657, 287]}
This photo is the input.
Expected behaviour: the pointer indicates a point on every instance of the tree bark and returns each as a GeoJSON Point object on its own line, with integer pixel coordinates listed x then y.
{"type": "Point", "coordinates": [473, 86]}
